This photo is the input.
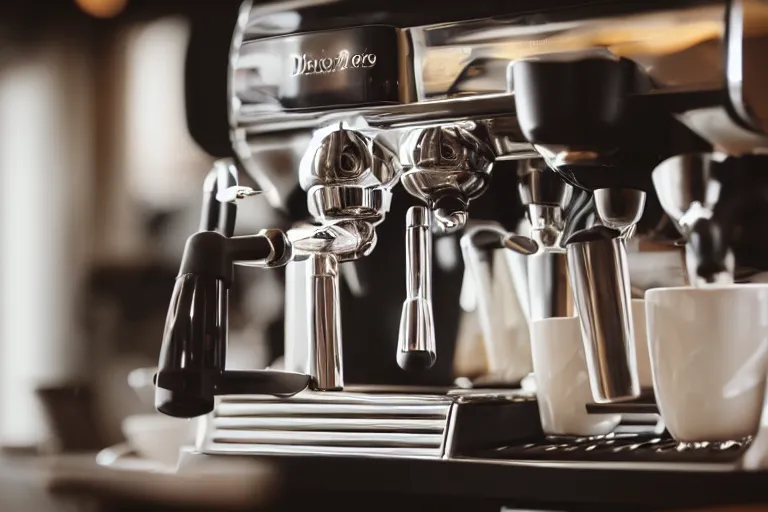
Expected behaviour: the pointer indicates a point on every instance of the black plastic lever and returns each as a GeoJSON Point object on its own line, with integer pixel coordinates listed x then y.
{"type": "Point", "coordinates": [710, 245]}
{"type": "Point", "coordinates": [179, 396]}
{"type": "Point", "coordinates": [261, 382]}
{"type": "Point", "coordinates": [192, 363]}
{"type": "Point", "coordinates": [247, 382]}
{"type": "Point", "coordinates": [192, 366]}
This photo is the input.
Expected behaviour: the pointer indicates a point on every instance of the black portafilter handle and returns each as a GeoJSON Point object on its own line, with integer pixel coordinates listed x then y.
{"type": "Point", "coordinates": [191, 370]}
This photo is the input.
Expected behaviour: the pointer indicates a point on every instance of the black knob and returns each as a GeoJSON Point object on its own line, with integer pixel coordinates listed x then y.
{"type": "Point", "coordinates": [416, 360]}
{"type": "Point", "coordinates": [193, 353]}
{"type": "Point", "coordinates": [578, 102]}
{"type": "Point", "coordinates": [709, 244]}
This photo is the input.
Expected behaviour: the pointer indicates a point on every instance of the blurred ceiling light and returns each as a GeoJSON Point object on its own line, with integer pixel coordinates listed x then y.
{"type": "Point", "coordinates": [102, 8]}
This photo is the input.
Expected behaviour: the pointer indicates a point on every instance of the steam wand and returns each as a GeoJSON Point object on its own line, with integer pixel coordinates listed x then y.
{"type": "Point", "coordinates": [416, 340]}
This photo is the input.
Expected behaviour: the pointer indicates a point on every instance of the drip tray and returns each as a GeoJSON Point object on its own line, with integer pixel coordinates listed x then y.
{"type": "Point", "coordinates": [621, 448]}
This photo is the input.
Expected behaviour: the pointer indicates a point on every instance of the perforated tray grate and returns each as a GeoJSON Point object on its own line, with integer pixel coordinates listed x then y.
{"type": "Point", "coordinates": [622, 448]}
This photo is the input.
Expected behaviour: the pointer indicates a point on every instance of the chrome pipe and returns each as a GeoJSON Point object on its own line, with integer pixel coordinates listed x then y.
{"type": "Point", "coordinates": [599, 277]}
{"type": "Point", "coordinates": [324, 322]}
{"type": "Point", "coordinates": [416, 340]}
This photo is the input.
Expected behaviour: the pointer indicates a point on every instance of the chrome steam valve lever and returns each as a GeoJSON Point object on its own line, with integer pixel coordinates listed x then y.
{"type": "Point", "coordinates": [446, 167]}
{"type": "Point", "coordinates": [416, 339]}
{"type": "Point", "coordinates": [192, 366]}
{"type": "Point", "coordinates": [348, 174]}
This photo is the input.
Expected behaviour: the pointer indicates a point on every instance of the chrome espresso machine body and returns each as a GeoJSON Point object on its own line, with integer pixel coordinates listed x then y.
{"type": "Point", "coordinates": [627, 126]}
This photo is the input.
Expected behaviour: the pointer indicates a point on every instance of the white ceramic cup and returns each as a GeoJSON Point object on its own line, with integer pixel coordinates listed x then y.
{"type": "Point", "coordinates": [562, 381]}
{"type": "Point", "coordinates": [158, 437]}
{"type": "Point", "coordinates": [642, 353]}
{"type": "Point", "coordinates": [709, 354]}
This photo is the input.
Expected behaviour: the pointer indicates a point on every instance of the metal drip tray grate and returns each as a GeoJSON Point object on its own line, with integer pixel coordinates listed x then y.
{"type": "Point", "coordinates": [622, 448]}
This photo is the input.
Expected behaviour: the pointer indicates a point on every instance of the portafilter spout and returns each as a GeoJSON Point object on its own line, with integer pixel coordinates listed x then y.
{"type": "Point", "coordinates": [620, 208]}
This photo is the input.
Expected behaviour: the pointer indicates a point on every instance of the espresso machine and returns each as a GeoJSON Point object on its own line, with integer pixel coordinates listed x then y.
{"type": "Point", "coordinates": [607, 128]}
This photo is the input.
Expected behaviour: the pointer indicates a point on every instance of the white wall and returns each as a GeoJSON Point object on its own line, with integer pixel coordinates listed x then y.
{"type": "Point", "coordinates": [45, 167]}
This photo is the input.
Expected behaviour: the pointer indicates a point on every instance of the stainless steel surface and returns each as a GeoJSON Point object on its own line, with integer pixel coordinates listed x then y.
{"type": "Point", "coordinates": [547, 224]}
{"type": "Point", "coordinates": [545, 195]}
{"type": "Point", "coordinates": [747, 44]}
{"type": "Point", "coordinates": [620, 209]}
{"type": "Point", "coordinates": [539, 185]}
{"type": "Point", "coordinates": [599, 276]}
{"type": "Point", "coordinates": [549, 290]}
{"type": "Point", "coordinates": [416, 339]}
{"type": "Point", "coordinates": [348, 240]}
{"type": "Point", "coordinates": [348, 174]}
{"type": "Point", "coordinates": [666, 42]}
{"type": "Point", "coordinates": [554, 208]}
{"type": "Point", "coordinates": [370, 422]}
{"type": "Point", "coordinates": [324, 329]}
{"type": "Point", "coordinates": [296, 332]}
{"type": "Point", "coordinates": [358, 396]}
{"type": "Point", "coordinates": [330, 424]}
{"type": "Point", "coordinates": [447, 167]}
{"type": "Point", "coordinates": [245, 448]}
{"type": "Point", "coordinates": [550, 202]}
{"type": "Point", "coordinates": [343, 423]}
{"type": "Point", "coordinates": [339, 439]}
{"type": "Point", "coordinates": [452, 71]}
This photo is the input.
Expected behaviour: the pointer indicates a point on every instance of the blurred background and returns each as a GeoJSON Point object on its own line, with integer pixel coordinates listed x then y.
{"type": "Point", "coordinates": [100, 184]}
{"type": "Point", "coordinates": [111, 114]}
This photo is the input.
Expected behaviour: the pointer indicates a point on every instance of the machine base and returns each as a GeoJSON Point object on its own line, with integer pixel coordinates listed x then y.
{"type": "Point", "coordinates": [466, 446]}
{"type": "Point", "coordinates": [487, 426]}
{"type": "Point", "coordinates": [371, 422]}
{"type": "Point", "coordinates": [482, 484]}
